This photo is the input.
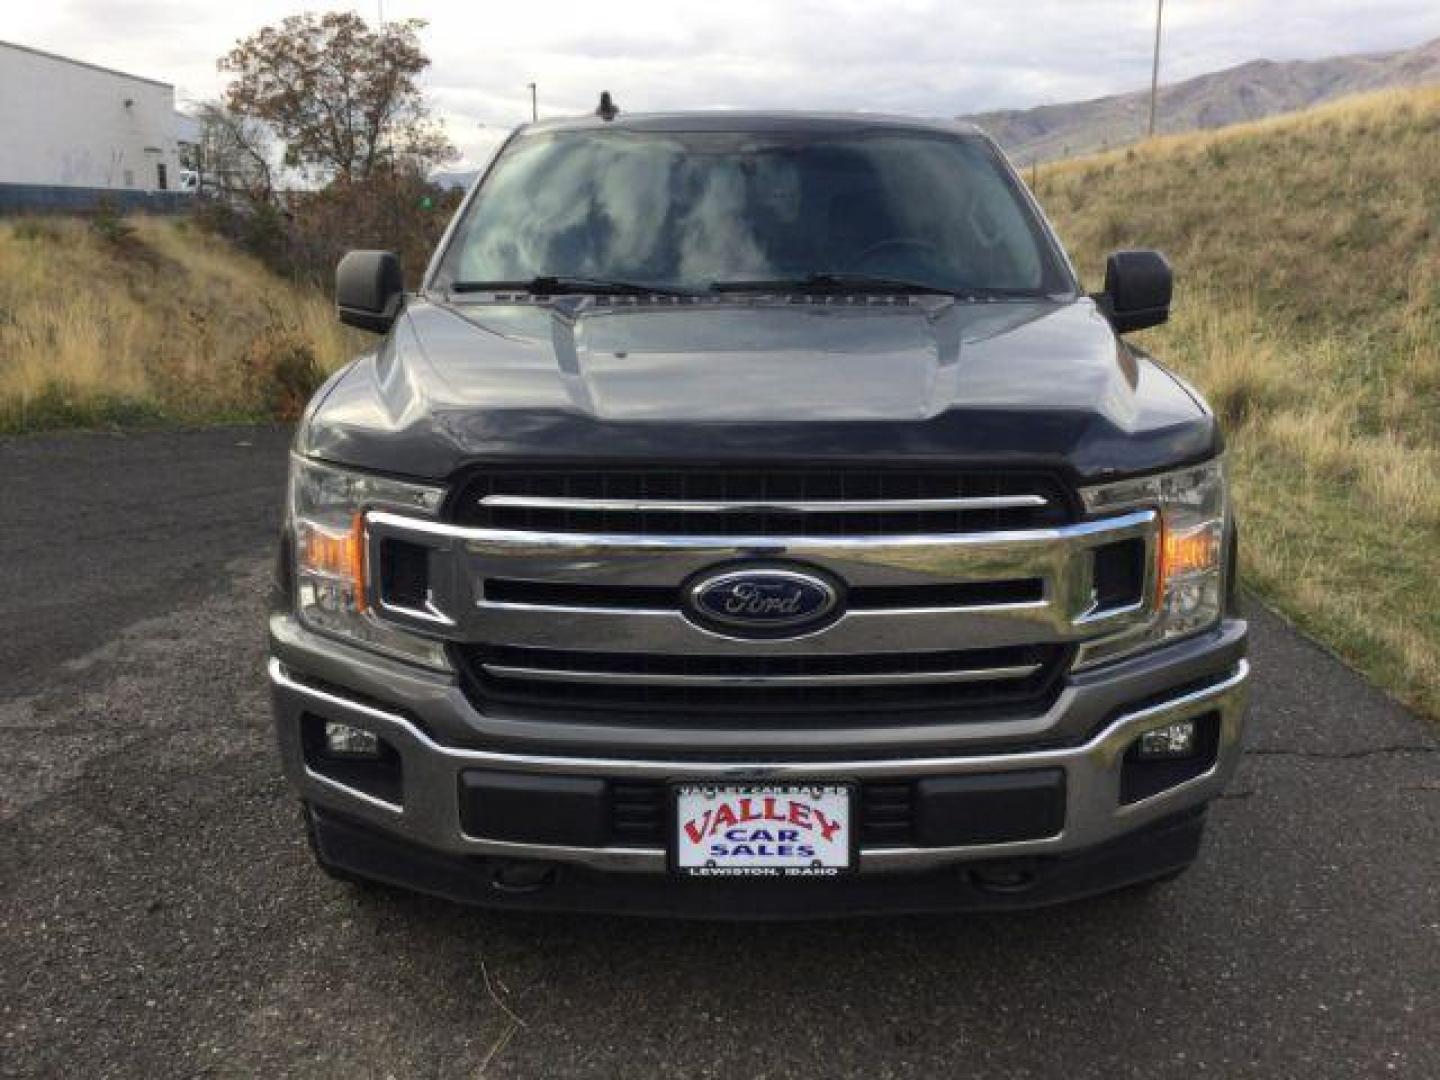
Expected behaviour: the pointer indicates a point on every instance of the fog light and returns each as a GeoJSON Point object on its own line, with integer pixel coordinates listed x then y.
{"type": "Point", "coordinates": [1171, 741]}
{"type": "Point", "coordinates": [342, 740]}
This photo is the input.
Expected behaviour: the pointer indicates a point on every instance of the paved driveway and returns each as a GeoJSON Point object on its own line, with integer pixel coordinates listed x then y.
{"type": "Point", "coordinates": [159, 915]}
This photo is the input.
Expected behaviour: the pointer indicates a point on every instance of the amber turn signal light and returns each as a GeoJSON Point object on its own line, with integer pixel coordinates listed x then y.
{"type": "Point", "coordinates": [339, 556]}
{"type": "Point", "coordinates": [1188, 551]}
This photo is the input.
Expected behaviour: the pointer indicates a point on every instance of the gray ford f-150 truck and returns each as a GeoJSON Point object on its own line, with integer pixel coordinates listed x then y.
{"type": "Point", "coordinates": [749, 515]}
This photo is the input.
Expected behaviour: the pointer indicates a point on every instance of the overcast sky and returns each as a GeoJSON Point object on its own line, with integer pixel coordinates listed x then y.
{"type": "Point", "coordinates": [930, 57]}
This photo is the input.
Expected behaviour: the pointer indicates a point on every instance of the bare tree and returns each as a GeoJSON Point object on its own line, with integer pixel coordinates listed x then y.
{"type": "Point", "coordinates": [235, 154]}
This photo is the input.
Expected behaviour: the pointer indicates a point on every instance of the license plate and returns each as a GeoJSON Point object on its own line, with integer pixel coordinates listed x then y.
{"type": "Point", "coordinates": [762, 830]}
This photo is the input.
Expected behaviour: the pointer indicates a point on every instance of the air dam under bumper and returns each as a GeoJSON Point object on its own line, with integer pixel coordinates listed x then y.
{"type": "Point", "coordinates": [355, 829]}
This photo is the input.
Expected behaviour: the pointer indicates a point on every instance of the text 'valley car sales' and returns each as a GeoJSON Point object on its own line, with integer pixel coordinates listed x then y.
{"type": "Point", "coordinates": [763, 830]}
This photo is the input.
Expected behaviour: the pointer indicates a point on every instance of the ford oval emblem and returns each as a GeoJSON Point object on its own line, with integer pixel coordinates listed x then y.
{"type": "Point", "coordinates": [762, 602]}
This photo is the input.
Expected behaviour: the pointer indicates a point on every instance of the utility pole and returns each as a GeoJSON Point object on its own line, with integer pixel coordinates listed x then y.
{"type": "Point", "coordinates": [1155, 65]}
{"type": "Point", "coordinates": [534, 102]}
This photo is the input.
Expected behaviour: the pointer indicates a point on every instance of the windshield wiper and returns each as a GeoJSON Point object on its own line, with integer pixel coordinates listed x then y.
{"type": "Point", "coordinates": [555, 285]}
{"type": "Point", "coordinates": [842, 282]}
{"type": "Point", "coordinates": [834, 282]}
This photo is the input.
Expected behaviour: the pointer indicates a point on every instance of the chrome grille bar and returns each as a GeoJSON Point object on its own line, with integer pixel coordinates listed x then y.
{"type": "Point", "coordinates": [825, 506]}
{"type": "Point", "coordinates": [1011, 545]}
{"type": "Point", "coordinates": [463, 558]}
{"type": "Point", "coordinates": [635, 678]}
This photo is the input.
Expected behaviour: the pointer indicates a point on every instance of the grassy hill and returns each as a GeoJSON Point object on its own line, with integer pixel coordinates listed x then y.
{"type": "Point", "coordinates": [150, 320]}
{"type": "Point", "coordinates": [1248, 91]}
{"type": "Point", "coordinates": [1307, 255]}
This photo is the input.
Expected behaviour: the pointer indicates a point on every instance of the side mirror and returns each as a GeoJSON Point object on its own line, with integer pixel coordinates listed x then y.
{"type": "Point", "coordinates": [369, 289]}
{"type": "Point", "coordinates": [1138, 286]}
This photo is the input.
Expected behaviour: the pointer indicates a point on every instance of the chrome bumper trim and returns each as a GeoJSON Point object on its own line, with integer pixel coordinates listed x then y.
{"type": "Point", "coordinates": [430, 815]}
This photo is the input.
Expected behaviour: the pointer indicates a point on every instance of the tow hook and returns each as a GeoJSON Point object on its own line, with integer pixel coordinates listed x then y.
{"type": "Point", "coordinates": [516, 877]}
{"type": "Point", "coordinates": [1013, 876]}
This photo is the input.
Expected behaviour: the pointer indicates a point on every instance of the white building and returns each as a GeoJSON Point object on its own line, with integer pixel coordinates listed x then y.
{"type": "Point", "coordinates": [68, 124]}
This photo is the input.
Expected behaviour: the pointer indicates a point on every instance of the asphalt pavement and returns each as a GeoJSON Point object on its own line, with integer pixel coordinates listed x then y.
{"type": "Point", "coordinates": [159, 914]}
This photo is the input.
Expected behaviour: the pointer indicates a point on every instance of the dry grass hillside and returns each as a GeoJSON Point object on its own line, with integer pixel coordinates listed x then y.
{"type": "Point", "coordinates": [1235, 95]}
{"type": "Point", "coordinates": [1307, 255]}
{"type": "Point", "coordinates": [150, 320]}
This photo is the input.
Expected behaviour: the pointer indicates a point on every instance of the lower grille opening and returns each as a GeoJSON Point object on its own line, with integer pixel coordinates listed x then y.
{"type": "Point", "coordinates": [638, 809]}
{"type": "Point", "coordinates": [820, 689]}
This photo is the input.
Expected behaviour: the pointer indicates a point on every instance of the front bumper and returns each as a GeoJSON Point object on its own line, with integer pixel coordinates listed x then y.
{"type": "Point", "coordinates": [1196, 679]}
{"type": "Point", "coordinates": [1156, 851]}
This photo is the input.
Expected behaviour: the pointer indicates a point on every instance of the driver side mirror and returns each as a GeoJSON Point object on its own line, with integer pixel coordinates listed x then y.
{"type": "Point", "coordinates": [1138, 287]}
{"type": "Point", "coordinates": [369, 289]}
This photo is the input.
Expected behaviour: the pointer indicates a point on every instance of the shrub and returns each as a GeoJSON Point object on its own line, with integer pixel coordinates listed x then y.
{"type": "Point", "coordinates": [404, 213]}
{"type": "Point", "coordinates": [110, 226]}
{"type": "Point", "coordinates": [282, 372]}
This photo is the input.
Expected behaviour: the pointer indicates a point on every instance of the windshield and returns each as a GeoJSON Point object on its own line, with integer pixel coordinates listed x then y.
{"type": "Point", "coordinates": [693, 210]}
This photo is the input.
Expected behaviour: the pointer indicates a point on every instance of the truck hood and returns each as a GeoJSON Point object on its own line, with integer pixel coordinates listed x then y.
{"type": "Point", "coordinates": [1043, 383]}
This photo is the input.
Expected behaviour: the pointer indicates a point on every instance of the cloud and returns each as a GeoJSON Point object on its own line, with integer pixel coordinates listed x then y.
{"type": "Point", "coordinates": [931, 57]}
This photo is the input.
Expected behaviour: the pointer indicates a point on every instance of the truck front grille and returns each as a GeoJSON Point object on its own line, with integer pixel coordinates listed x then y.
{"type": "Point", "coordinates": [756, 502]}
{"type": "Point", "coordinates": [564, 593]}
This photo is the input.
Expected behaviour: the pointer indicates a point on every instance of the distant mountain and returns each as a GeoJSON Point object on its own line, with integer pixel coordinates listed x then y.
{"type": "Point", "coordinates": [1248, 92]}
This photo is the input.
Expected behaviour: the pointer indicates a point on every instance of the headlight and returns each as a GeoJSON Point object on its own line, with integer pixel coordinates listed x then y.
{"type": "Point", "coordinates": [327, 520]}
{"type": "Point", "coordinates": [1189, 552]}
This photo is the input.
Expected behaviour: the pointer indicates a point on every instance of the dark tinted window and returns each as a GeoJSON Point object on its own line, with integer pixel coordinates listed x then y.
{"type": "Point", "coordinates": [693, 208]}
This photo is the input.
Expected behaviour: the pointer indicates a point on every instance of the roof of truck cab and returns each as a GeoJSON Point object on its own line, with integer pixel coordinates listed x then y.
{"type": "Point", "coordinates": [777, 122]}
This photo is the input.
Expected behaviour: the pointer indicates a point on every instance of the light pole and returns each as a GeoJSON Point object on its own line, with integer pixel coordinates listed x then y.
{"type": "Point", "coordinates": [1155, 65]}
{"type": "Point", "coordinates": [534, 103]}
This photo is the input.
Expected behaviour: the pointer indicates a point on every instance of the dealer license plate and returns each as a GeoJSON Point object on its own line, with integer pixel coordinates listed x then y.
{"type": "Point", "coordinates": [762, 830]}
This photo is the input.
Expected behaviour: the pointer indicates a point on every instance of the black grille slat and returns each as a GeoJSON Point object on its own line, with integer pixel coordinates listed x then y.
{"type": "Point", "coordinates": [637, 813]}
{"type": "Point", "coordinates": [949, 594]}
{"type": "Point", "coordinates": [887, 815]}
{"type": "Point", "coordinates": [861, 598]}
{"type": "Point", "coordinates": [580, 594]}
{"type": "Point", "coordinates": [763, 663]}
{"type": "Point", "coordinates": [702, 705]}
{"type": "Point", "coordinates": [752, 486]}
